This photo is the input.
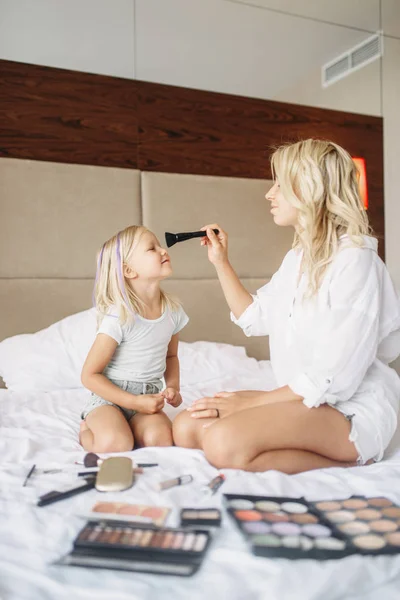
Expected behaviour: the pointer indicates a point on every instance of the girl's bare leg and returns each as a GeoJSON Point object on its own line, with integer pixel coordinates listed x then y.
{"type": "Point", "coordinates": [105, 429]}
{"type": "Point", "coordinates": [189, 432]}
{"type": "Point", "coordinates": [286, 436]}
{"type": "Point", "coordinates": [151, 430]}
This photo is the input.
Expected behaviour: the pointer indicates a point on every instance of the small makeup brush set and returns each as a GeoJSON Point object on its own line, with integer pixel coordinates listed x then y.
{"type": "Point", "coordinates": [295, 528]}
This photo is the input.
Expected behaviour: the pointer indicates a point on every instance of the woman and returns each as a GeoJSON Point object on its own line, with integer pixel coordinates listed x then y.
{"type": "Point", "coordinates": [333, 320]}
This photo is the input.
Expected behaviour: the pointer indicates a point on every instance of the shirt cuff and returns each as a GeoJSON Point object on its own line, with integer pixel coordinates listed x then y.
{"type": "Point", "coordinates": [245, 319]}
{"type": "Point", "coordinates": [314, 393]}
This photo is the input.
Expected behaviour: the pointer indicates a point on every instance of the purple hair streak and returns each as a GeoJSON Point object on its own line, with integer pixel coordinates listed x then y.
{"type": "Point", "coordinates": [120, 274]}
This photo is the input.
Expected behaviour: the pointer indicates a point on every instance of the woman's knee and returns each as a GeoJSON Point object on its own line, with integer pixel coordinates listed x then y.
{"type": "Point", "coordinates": [184, 430]}
{"type": "Point", "coordinates": [220, 448]}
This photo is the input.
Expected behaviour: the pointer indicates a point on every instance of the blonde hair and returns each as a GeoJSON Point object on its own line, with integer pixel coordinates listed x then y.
{"type": "Point", "coordinates": [321, 180]}
{"type": "Point", "coordinates": [111, 288]}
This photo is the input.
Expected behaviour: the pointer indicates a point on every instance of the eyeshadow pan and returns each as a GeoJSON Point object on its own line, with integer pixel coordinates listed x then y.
{"type": "Point", "coordinates": [306, 543]}
{"type": "Point", "coordinates": [294, 507]}
{"type": "Point", "coordinates": [328, 506]}
{"type": "Point", "coordinates": [368, 514]}
{"type": "Point", "coordinates": [286, 528]}
{"type": "Point", "coordinates": [189, 541]}
{"type": "Point", "coordinates": [240, 504]}
{"type": "Point", "coordinates": [393, 538]}
{"type": "Point", "coordinates": [354, 528]}
{"type": "Point", "coordinates": [354, 503]}
{"type": "Point", "coordinates": [341, 516]}
{"type": "Point", "coordinates": [266, 540]}
{"type": "Point", "coordinates": [330, 544]}
{"type": "Point", "coordinates": [291, 541]}
{"type": "Point", "coordinates": [258, 527]}
{"type": "Point", "coordinates": [267, 505]}
{"type": "Point", "coordinates": [379, 502]}
{"type": "Point", "coordinates": [394, 512]}
{"type": "Point", "coordinates": [200, 542]}
{"type": "Point", "coordinates": [146, 537]}
{"type": "Point", "coordinates": [278, 517]}
{"type": "Point", "coordinates": [248, 515]}
{"type": "Point", "coordinates": [302, 519]}
{"type": "Point", "coordinates": [370, 542]}
{"type": "Point", "coordinates": [383, 525]}
{"type": "Point", "coordinates": [316, 530]}
{"type": "Point", "coordinates": [178, 541]}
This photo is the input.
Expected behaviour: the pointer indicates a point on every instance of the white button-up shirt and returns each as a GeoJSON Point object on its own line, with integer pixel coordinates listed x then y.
{"type": "Point", "coordinates": [325, 347]}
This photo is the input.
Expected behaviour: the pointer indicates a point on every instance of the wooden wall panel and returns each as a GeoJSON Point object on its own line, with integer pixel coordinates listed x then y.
{"type": "Point", "coordinates": [67, 116]}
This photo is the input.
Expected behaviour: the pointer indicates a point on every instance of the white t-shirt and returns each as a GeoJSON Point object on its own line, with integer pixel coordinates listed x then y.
{"type": "Point", "coordinates": [142, 345]}
{"type": "Point", "coordinates": [335, 348]}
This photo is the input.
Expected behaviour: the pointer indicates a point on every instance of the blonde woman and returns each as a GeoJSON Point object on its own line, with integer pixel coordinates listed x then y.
{"type": "Point", "coordinates": [136, 345]}
{"type": "Point", "coordinates": [333, 320]}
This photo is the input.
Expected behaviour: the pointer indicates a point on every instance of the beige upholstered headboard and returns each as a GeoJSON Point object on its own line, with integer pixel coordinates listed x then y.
{"type": "Point", "coordinates": [55, 216]}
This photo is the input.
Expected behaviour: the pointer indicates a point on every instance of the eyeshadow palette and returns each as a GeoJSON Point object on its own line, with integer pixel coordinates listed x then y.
{"type": "Point", "coordinates": [295, 528]}
{"type": "Point", "coordinates": [200, 517]}
{"type": "Point", "coordinates": [132, 547]}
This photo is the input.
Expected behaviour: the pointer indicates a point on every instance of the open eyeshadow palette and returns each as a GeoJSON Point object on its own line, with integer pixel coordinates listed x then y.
{"type": "Point", "coordinates": [295, 528]}
{"type": "Point", "coordinates": [131, 547]}
{"type": "Point", "coordinates": [122, 511]}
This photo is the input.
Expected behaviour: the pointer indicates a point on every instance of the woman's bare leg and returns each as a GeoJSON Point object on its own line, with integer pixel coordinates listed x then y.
{"type": "Point", "coordinates": [247, 439]}
{"type": "Point", "coordinates": [105, 429]}
{"type": "Point", "coordinates": [151, 430]}
{"type": "Point", "coordinates": [189, 432]}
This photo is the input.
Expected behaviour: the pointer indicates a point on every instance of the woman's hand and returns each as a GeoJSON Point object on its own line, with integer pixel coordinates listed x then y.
{"type": "Point", "coordinates": [217, 245]}
{"type": "Point", "coordinates": [224, 404]}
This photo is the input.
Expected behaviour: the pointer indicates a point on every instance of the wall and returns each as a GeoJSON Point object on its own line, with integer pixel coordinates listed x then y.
{"type": "Point", "coordinates": [262, 48]}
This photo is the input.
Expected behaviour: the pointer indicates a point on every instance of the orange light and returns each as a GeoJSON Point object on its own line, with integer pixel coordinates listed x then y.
{"type": "Point", "coordinates": [360, 164]}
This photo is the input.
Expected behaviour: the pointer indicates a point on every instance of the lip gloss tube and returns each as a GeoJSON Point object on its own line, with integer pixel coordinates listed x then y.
{"type": "Point", "coordinates": [214, 484]}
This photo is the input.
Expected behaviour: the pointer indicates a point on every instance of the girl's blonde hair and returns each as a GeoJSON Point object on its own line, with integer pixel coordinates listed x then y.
{"type": "Point", "coordinates": [111, 288]}
{"type": "Point", "coordinates": [321, 180]}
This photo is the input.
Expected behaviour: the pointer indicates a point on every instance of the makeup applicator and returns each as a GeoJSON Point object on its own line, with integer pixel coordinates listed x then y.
{"type": "Point", "coordinates": [173, 238]}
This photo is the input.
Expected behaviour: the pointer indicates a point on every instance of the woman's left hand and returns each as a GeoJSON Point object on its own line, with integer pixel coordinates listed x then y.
{"type": "Point", "coordinates": [224, 404]}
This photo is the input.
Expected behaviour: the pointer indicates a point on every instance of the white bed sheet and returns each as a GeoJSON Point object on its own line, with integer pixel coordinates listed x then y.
{"type": "Point", "coordinates": [42, 428]}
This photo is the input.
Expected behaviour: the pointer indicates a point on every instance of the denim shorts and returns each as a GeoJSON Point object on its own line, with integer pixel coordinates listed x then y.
{"type": "Point", "coordinates": [133, 387]}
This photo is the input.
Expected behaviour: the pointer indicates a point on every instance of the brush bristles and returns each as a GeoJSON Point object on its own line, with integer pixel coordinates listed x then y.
{"type": "Point", "coordinates": [170, 239]}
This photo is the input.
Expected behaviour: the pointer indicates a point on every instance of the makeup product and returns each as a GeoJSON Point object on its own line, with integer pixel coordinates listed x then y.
{"type": "Point", "coordinates": [31, 470]}
{"type": "Point", "coordinates": [55, 496]}
{"type": "Point", "coordinates": [172, 238]}
{"type": "Point", "coordinates": [115, 474]}
{"type": "Point", "coordinates": [139, 548]}
{"type": "Point", "coordinates": [296, 528]}
{"type": "Point", "coordinates": [92, 460]}
{"type": "Point", "coordinates": [169, 483]}
{"type": "Point", "coordinates": [200, 517]}
{"type": "Point", "coordinates": [215, 484]}
{"type": "Point", "coordinates": [122, 511]}
{"type": "Point", "coordinates": [93, 472]}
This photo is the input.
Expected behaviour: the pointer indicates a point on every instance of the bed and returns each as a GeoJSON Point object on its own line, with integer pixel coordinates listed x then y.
{"type": "Point", "coordinates": [40, 284]}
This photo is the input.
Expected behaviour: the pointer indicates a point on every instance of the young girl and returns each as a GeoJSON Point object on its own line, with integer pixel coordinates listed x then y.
{"type": "Point", "coordinates": [136, 345]}
{"type": "Point", "coordinates": [333, 320]}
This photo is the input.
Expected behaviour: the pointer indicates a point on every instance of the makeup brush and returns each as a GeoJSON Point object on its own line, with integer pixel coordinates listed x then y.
{"type": "Point", "coordinates": [92, 460]}
{"type": "Point", "coordinates": [173, 238]}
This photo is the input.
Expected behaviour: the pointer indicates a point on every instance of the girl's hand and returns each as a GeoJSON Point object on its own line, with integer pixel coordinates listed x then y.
{"type": "Point", "coordinates": [224, 404]}
{"type": "Point", "coordinates": [149, 404]}
{"type": "Point", "coordinates": [172, 396]}
{"type": "Point", "coordinates": [217, 245]}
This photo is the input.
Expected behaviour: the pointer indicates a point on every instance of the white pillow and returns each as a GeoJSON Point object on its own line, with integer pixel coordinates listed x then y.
{"type": "Point", "coordinates": [50, 359]}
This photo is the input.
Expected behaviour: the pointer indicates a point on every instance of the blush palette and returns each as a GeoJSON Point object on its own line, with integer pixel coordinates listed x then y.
{"type": "Point", "coordinates": [295, 528]}
{"type": "Point", "coordinates": [132, 547]}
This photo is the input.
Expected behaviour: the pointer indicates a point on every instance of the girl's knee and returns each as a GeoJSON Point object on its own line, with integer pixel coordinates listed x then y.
{"type": "Point", "coordinates": [110, 442]}
{"type": "Point", "coordinates": [158, 436]}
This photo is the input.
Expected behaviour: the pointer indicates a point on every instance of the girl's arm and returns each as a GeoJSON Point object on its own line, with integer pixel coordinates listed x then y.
{"type": "Point", "coordinates": [92, 376]}
{"type": "Point", "coordinates": [236, 295]}
{"type": "Point", "coordinates": [171, 374]}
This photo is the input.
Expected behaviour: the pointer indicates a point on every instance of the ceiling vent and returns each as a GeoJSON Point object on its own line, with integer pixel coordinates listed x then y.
{"type": "Point", "coordinates": [353, 59]}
